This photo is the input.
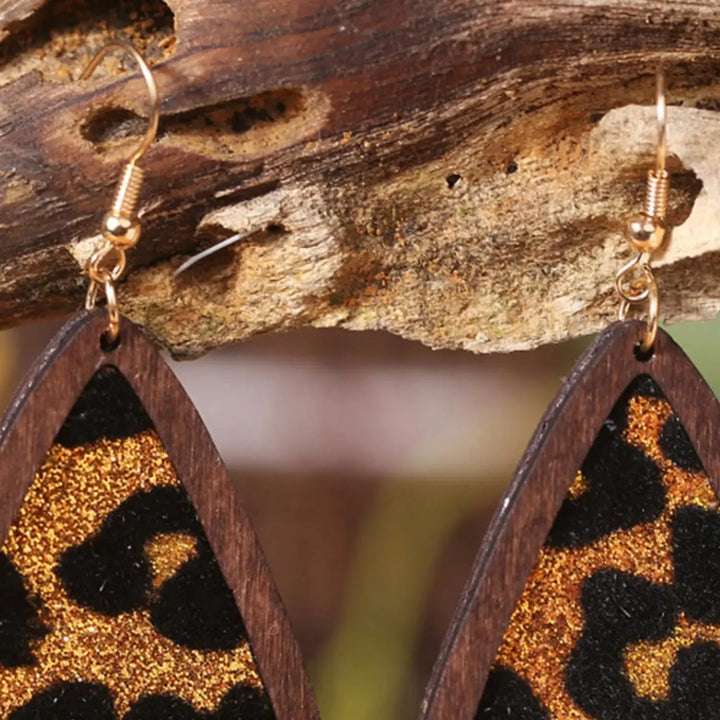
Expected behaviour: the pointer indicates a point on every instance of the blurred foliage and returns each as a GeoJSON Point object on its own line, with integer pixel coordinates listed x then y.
{"type": "Point", "coordinates": [367, 671]}
{"type": "Point", "coordinates": [701, 342]}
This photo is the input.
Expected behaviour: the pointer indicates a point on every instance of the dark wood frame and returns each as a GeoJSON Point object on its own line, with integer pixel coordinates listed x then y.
{"type": "Point", "coordinates": [521, 524]}
{"type": "Point", "coordinates": [37, 413]}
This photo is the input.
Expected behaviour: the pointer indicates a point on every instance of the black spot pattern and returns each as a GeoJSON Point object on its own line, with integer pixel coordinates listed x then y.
{"type": "Point", "coordinates": [696, 551]}
{"type": "Point", "coordinates": [107, 408]}
{"type": "Point", "coordinates": [676, 446]}
{"type": "Point", "coordinates": [645, 386]}
{"type": "Point", "coordinates": [110, 573]}
{"type": "Point", "coordinates": [695, 683]}
{"type": "Point", "coordinates": [624, 486]}
{"type": "Point", "coordinates": [19, 620]}
{"type": "Point", "coordinates": [241, 703]}
{"type": "Point", "coordinates": [93, 701]}
{"type": "Point", "coordinates": [619, 609]}
{"type": "Point", "coordinates": [622, 609]}
{"type": "Point", "coordinates": [195, 607]}
{"type": "Point", "coordinates": [508, 697]}
{"type": "Point", "coordinates": [69, 701]}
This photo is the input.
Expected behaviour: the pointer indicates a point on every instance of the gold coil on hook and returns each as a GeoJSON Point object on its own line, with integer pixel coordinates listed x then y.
{"type": "Point", "coordinates": [635, 282]}
{"type": "Point", "coordinates": [646, 231]}
{"type": "Point", "coordinates": [120, 226]}
{"type": "Point", "coordinates": [656, 195]}
{"type": "Point", "coordinates": [128, 190]}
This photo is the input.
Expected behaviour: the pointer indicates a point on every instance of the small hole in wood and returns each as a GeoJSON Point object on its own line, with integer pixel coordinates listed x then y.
{"type": "Point", "coordinates": [643, 355]}
{"type": "Point", "coordinates": [276, 229]}
{"type": "Point", "coordinates": [107, 344]}
{"type": "Point", "coordinates": [685, 186]}
{"type": "Point", "coordinates": [708, 103]}
{"type": "Point", "coordinates": [452, 180]}
{"type": "Point", "coordinates": [112, 124]}
{"type": "Point", "coordinates": [511, 167]}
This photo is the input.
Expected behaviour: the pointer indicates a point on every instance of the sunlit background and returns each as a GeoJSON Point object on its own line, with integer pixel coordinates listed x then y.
{"type": "Point", "coordinates": [370, 467]}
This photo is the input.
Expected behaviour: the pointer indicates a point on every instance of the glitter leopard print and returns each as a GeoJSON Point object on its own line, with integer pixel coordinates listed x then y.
{"type": "Point", "coordinates": [620, 617]}
{"type": "Point", "coordinates": [112, 604]}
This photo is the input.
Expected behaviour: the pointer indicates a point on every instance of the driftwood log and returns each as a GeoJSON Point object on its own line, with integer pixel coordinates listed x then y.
{"type": "Point", "coordinates": [453, 171]}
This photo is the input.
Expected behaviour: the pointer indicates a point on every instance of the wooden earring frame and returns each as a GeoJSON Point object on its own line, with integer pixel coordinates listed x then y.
{"type": "Point", "coordinates": [521, 525]}
{"type": "Point", "coordinates": [39, 409]}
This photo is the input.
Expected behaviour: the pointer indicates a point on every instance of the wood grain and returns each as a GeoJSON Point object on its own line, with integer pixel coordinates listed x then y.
{"type": "Point", "coordinates": [37, 413]}
{"type": "Point", "coordinates": [436, 169]}
{"type": "Point", "coordinates": [521, 525]}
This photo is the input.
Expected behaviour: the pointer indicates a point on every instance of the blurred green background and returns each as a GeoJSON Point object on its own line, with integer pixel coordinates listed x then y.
{"type": "Point", "coordinates": [370, 467]}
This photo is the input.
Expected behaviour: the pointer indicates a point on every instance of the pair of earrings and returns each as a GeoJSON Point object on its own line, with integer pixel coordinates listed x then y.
{"type": "Point", "coordinates": [132, 585]}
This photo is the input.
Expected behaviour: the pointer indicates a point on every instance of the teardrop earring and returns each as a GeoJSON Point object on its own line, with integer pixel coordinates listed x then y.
{"type": "Point", "coordinates": [131, 582]}
{"type": "Point", "coordinates": [596, 593]}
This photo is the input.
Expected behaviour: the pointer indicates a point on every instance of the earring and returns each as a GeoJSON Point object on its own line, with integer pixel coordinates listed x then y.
{"type": "Point", "coordinates": [132, 585]}
{"type": "Point", "coordinates": [596, 592]}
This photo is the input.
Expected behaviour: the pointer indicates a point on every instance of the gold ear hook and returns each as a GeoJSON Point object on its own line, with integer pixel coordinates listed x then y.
{"type": "Point", "coordinates": [120, 226]}
{"type": "Point", "coordinates": [635, 282]}
{"type": "Point", "coordinates": [662, 121]}
{"type": "Point", "coordinates": [647, 229]}
{"type": "Point", "coordinates": [154, 117]}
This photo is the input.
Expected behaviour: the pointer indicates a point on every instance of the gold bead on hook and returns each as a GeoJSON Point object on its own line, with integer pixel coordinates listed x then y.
{"type": "Point", "coordinates": [635, 282]}
{"type": "Point", "coordinates": [646, 230]}
{"type": "Point", "coordinates": [120, 225]}
{"type": "Point", "coordinates": [646, 233]}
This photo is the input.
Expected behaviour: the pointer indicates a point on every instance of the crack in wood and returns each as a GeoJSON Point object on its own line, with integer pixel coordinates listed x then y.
{"type": "Point", "coordinates": [241, 127]}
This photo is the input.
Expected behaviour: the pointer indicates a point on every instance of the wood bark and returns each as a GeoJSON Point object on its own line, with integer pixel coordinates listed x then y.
{"type": "Point", "coordinates": [457, 172]}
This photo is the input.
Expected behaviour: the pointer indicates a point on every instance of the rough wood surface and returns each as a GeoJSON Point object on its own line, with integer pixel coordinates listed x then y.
{"type": "Point", "coordinates": [38, 411]}
{"type": "Point", "coordinates": [522, 523]}
{"type": "Point", "coordinates": [456, 171]}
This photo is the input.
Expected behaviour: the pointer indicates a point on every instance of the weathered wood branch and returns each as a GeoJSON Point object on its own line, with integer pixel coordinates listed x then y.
{"type": "Point", "coordinates": [457, 172]}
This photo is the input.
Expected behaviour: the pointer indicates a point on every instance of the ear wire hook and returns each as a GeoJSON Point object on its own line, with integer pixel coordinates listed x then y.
{"type": "Point", "coordinates": [209, 251]}
{"type": "Point", "coordinates": [635, 282]}
{"type": "Point", "coordinates": [661, 108]}
{"type": "Point", "coordinates": [120, 226]}
{"type": "Point", "coordinates": [154, 117]}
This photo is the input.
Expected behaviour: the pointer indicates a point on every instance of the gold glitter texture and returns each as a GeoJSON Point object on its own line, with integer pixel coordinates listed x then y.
{"type": "Point", "coordinates": [647, 664]}
{"type": "Point", "coordinates": [578, 487]}
{"type": "Point", "coordinates": [69, 498]}
{"type": "Point", "coordinates": [548, 619]}
{"type": "Point", "coordinates": [167, 553]}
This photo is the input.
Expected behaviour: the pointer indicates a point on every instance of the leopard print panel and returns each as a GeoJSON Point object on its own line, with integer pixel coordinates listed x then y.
{"type": "Point", "coordinates": [620, 618]}
{"type": "Point", "coordinates": [112, 604]}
